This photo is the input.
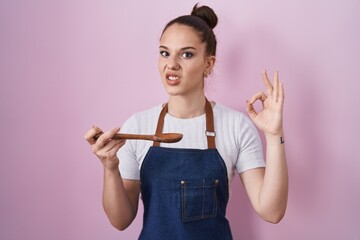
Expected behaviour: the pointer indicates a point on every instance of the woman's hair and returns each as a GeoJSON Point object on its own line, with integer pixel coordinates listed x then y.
{"type": "Point", "coordinates": [203, 20]}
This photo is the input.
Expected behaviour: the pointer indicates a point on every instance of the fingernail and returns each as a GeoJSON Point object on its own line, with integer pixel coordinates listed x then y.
{"type": "Point", "coordinates": [96, 128]}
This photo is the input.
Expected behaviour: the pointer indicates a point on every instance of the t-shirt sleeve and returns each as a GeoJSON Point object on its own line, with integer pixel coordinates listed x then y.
{"type": "Point", "coordinates": [129, 165]}
{"type": "Point", "coordinates": [250, 152]}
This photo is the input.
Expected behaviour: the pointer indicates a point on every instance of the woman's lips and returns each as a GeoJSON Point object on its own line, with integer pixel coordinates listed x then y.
{"type": "Point", "coordinates": [172, 79]}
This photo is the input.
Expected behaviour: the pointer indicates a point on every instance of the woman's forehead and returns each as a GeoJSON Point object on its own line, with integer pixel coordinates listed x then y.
{"type": "Point", "coordinates": [179, 34]}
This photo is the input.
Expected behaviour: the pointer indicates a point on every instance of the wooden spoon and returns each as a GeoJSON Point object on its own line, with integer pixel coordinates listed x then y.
{"type": "Point", "coordinates": [164, 137]}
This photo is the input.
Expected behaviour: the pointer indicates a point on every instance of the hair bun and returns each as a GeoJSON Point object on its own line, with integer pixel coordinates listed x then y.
{"type": "Point", "coordinates": [206, 14]}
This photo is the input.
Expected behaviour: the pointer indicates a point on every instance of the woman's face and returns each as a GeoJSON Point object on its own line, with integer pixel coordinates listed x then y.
{"type": "Point", "coordinates": [183, 61]}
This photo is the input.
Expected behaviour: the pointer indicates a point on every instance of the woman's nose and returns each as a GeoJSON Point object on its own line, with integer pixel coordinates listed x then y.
{"type": "Point", "coordinates": [173, 63]}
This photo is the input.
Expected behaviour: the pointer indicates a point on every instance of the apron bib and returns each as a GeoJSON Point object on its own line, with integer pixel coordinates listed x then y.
{"type": "Point", "coordinates": [185, 191]}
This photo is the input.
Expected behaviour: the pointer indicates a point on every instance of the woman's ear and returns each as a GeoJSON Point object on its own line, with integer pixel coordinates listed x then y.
{"type": "Point", "coordinates": [210, 62]}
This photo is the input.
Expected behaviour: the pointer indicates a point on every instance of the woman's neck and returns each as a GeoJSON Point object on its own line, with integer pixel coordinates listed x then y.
{"type": "Point", "coordinates": [186, 107]}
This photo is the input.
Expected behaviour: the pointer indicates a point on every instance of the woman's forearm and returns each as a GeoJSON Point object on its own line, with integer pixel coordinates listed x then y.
{"type": "Point", "coordinates": [120, 207]}
{"type": "Point", "coordinates": [274, 190]}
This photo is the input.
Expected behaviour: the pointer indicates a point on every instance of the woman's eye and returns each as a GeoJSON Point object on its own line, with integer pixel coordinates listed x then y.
{"type": "Point", "coordinates": [186, 55]}
{"type": "Point", "coordinates": [164, 53]}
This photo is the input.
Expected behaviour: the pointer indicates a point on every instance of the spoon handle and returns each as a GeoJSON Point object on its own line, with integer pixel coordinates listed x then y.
{"type": "Point", "coordinates": [167, 137]}
{"type": "Point", "coordinates": [120, 136]}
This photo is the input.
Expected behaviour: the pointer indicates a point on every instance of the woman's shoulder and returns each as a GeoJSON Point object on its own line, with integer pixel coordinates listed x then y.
{"type": "Point", "coordinates": [223, 111]}
{"type": "Point", "coordinates": [231, 118]}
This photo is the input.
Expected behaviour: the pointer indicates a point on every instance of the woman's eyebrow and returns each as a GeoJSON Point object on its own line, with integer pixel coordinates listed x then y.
{"type": "Point", "coordinates": [182, 49]}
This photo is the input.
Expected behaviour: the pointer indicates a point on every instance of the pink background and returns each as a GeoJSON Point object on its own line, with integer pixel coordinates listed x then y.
{"type": "Point", "coordinates": [66, 65]}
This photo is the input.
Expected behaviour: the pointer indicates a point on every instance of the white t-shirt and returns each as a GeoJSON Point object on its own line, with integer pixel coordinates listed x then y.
{"type": "Point", "coordinates": [237, 139]}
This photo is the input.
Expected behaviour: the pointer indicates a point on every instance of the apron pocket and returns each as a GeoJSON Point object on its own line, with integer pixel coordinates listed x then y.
{"type": "Point", "coordinates": [198, 199]}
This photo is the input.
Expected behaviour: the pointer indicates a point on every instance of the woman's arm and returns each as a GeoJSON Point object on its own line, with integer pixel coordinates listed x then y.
{"type": "Point", "coordinates": [120, 197]}
{"type": "Point", "coordinates": [268, 188]}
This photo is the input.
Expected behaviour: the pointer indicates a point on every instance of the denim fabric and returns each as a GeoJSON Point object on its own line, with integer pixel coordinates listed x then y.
{"type": "Point", "coordinates": [185, 194]}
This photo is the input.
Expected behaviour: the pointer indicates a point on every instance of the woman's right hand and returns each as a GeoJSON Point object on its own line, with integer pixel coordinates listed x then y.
{"type": "Point", "coordinates": [105, 148]}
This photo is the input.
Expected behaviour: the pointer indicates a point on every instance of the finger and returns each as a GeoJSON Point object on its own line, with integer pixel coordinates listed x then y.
{"type": "Point", "coordinates": [117, 146]}
{"type": "Point", "coordinates": [276, 86]}
{"type": "Point", "coordinates": [281, 93]}
{"type": "Point", "coordinates": [89, 135]}
{"type": "Point", "coordinates": [106, 137]}
{"type": "Point", "coordinates": [251, 110]}
{"type": "Point", "coordinates": [109, 150]}
{"type": "Point", "coordinates": [111, 144]}
{"type": "Point", "coordinates": [267, 82]}
{"type": "Point", "coordinates": [259, 96]}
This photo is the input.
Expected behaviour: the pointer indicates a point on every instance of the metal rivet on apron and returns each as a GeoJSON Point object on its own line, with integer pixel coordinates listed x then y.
{"type": "Point", "coordinates": [182, 182]}
{"type": "Point", "coordinates": [210, 134]}
{"type": "Point", "coordinates": [217, 181]}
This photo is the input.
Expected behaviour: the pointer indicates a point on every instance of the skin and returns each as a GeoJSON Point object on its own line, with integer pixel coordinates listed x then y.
{"type": "Point", "coordinates": [183, 54]}
{"type": "Point", "coordinates": [183, 57]}
{"type": "Point", "coordinates": [268, 188]}
{"type": "Point", "coordinates": [120, 196]}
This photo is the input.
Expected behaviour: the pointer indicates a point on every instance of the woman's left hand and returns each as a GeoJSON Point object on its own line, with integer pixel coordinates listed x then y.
{"type": "Point", "coordinates": [269, 119]}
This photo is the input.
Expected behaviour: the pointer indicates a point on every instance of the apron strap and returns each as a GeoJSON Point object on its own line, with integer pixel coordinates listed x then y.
{"type": "Point", "coordinates": [210, 132]}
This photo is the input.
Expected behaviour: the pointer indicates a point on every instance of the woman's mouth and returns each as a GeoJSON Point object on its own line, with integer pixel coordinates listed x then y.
{"type": "Point", "coordinates": [172, 79]}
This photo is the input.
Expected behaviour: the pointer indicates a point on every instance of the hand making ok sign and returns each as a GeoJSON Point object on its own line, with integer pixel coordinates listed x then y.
{"type": "Point", "coordinates": [269, 119]}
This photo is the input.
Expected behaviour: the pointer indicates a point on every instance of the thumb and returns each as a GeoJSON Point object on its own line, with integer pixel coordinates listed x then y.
{"type": "Point", "coordinates": [250, 109]}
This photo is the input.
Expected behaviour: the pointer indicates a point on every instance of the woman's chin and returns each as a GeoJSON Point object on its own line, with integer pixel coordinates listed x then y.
{"type": "Point", "coordinates": [172, 91]}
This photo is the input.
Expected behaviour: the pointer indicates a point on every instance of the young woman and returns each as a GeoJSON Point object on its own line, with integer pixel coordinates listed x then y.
{"type": "Point", "coordinates": [184, 186]}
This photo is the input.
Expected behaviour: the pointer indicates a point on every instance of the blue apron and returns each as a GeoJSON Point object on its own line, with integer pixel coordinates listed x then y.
{"type": "Point", "coordinates": [185, 191]}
